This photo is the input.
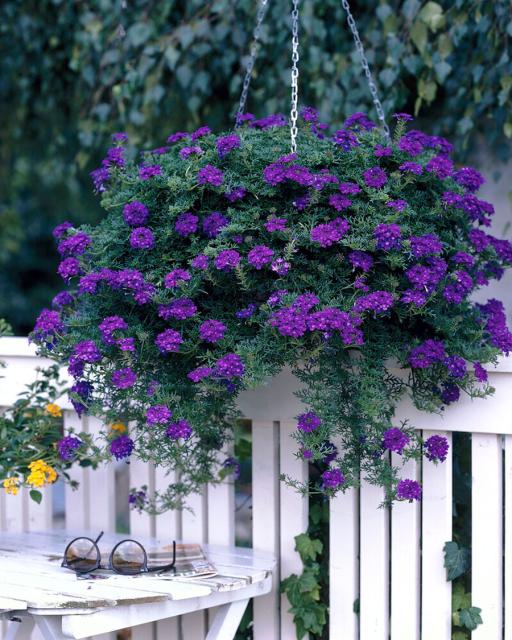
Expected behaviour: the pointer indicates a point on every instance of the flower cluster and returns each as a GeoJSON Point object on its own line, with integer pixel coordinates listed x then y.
{"type": "Point", "coordinates": [232, 259]}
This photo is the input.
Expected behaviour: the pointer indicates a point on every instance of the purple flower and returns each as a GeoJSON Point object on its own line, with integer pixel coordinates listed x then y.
{"type": "Point", "coordinates": [280, 266]}
{"type": "Point", "coordinates": [114, 157]}
{"type": "Point", "coordinates": [176, 277]}
{"type": "Point", "coordinates": [246, 313]}
{"type": "Point", "coordinates": [480, 372]}
{"type": "Point", "coordinates": [360, 260]}
{"type": "Point", "coordinates": [290, 321]}
{"type": "Point", "coordinates": [479, 239]}
{"type": "Point", "coordinates": [359, 120]}
{"type": "Point", "coordinates": [411, 167]}
{"type": "Point", "coordinates": [137, 499]}
{"type": "Point", "coordinates": [48, 323]}
{"type": "Point", "coordinates": [495, 324]}
{"type": "Point", "coordinates": [410, 145]}
{"type": "Point", "coordinates": [329, 233]}
{"type": "Point", "coordinates": [441, 166]}
{"type": "Point", "coordinates": [405, 117]}
{"type": "Point", "coordinates": [135, 213]}
{"type": "Point", "coordinates": [84, 391]}
{"type": "Point", "coordinates": [227, 260]}
{"type": "Point", "coordinates": [436, 448]}
{"type": "Point", "coordinates": [200, 262]}
{"type": "Point", "coordinates": [200, 374]}
{"type": "Point", "coordinates": [120, 136]}
{"type": "Point", "coordinates": [408, 490]}
{"type": "Point", "coordinates": [378, 301]}
{"type": "Point", "coordinates": [169, 341]}
{"type": "Point", "coordinates": [200, 133]}
{"type": "Point", "coordinates": [213, 224]}
{"type": "Point", "coordinates": [62, 299]}
{"type": "Point", "coordinates": [307, 454]}
{"type": "Point", "coordinates": [210, 175]}
{"type": "Point", "coordinates": [180, 309]}
{"type": "Point", "coordinates": [345, 139]}
{"type": "Point", "coordinates": [121, 447]}
{"type": "Point", "coordinates": [225, 144]}
{"type": "Point", "coordinates": [332, 479]}
{"type": "Point", "coordinates": [68, 447]}
{"type": "Point", "coordinates": [235, 194]}
{"type": "Point", "coordinates": [212, 330]}
{"type": "Point", "coordinates": [259, 256]}
{"type": "Point", "coordinates": [417, 298]}
{"type": "Point", "coordinates": [273, 120]}
{"type": "Point", "coordinates": [75, 245]}
{"type": "Point", "coordinates": [109, 325]}
{"type": "Point", "coordinates": [142, 238]}
{"type": "Point", "coordinates": [188, 151]}
{"type": "Point", "coordinates": [87, 351]}
{"type": "Point", "coordinates": [179, 429]}
{"type": "Point", "coordinates": [186, 224]}
{"type": "Point", "coordinates": [158, 414]}
{"type": "Point", "coordinates": [61, 229]}
{"type": "Point", "coordinates": [382, 152]}
{"type": "Point", "coordinates": [456, 366]}
{"type": "Point", "coordinates": [459, 286]}
{"type": "Point", "coordinates": [464, 259]}
{"type": "Point", "coordinates": [176, 137]}
{"type": "Point", "coordinates": [375, 177]}
{"type": "Point", "coordinates": [450, 393]}
{"type": "Point", "coordinates": [349, 188]}
{"type": "Point", "coordinates": [150, 171]}
{"type": "Point", "coordinates": [427, 354]}
{"type": "Point", "coordinates": [308, 422]}
{"type": "Point", "coordinates": [275, 224]}
{"type": "Point", "coordinates": [124, 378]}
{"type": "Point", "coordinates": [397, 205]}
{"type": "Point", "coordinates": [339, 202]}
{"type": "Point", "coordinates": [425, 245]}
{"type": "Point", "coordinates": [230, 366]}
{"type": "Point", "coordinates": [100, 177]}
{"type": "Point", "coordinates": [469, 178]}
{"type": "Point", "coordinates": [395, 440]}
{"type": "Point", "coordinates": [126, 344]}
{"type": "Point", "coordinates": [309, 114]}
{"type": "Point", "coordinates": [388, 236]}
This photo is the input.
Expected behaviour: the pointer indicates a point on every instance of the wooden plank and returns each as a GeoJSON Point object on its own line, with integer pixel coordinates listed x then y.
{"type": "Point", "coordinates": [487, 539]}
{"type": "Point", "coordinates": [293, 517]}
{"type": "Point", "coordinates": [16, 512]}
{"type": "Point", "coordinates": [265, 520]}
{"type": "Point", "coordinates": [76, 501]}
{"type": "Point", "coordinates": [344, 565]}
{"type": "Point", "coordinates": [40, 516]}
{"type": "Point", "coordinates": [405, 560]}
{"type": "Point", "coordinates": [102, 488]}
{"type": "Point", "coordinates": [436, 606]}
{"type": "Point", "coordinates": [221, 512]}
{"type": "Point", "coordinates": [374, 564]}
{"type": "Point", "coordinates": [508, 536]}
{"type": "Point", "coordinates": [195, 529]}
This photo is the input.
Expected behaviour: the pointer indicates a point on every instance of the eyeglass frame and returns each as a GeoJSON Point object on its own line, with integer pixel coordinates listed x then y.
{"type": "Point", "coordinates": [144, 568]}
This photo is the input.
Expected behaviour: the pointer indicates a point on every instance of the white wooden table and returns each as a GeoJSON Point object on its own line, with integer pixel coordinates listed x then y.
{"type": "Point", "coordinates": [35, 590]}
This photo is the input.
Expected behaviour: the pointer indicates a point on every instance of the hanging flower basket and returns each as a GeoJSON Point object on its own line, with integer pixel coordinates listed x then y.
{"type": "Point", "coordinates": [223, 259]}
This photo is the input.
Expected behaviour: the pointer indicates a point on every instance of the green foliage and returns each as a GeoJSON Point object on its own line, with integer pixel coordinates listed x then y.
{"type": "Point", "coordinates": [456, 560]}
{"type": "Point", "coordinates": [67, 83]}
{"type": "Point", "coordinates": [465, 618]}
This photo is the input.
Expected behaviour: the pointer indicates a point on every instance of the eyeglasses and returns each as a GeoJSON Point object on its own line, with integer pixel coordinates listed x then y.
{"type": "Point", "coordinates": [128, 557]}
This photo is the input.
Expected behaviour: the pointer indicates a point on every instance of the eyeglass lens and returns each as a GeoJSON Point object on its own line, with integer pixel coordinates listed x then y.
{"type": "Point", "coordinates": [82, 555]}
{"type": "Point", "coordinates": [129, 558]}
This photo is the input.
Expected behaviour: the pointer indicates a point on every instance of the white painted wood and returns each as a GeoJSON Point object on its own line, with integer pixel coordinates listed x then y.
{"type": "Point", "coordinates": [405, 560]}
{"type": "Point", "coordinates": [436, 530]}
{"type": "Point", "coordinates": [102, 490]}
{"type": "Point", "coordinates": [221, 512]}
{"type": "Point", "coordinates": [77, 500]}
{"type": "Point", "coordinates": [40, 516]}
{"type": "Point", "coordinates": [168, 524]}
{"type": "Point", "coordinates": [374, 564]}
{"type": "Point", "coordinates": [226, 620]}
{"type": "Point", "coordinates": [265, 519]}
{"type": "Point", "coordinates": [20, 630]}
{"type": "Point", "coordinates": [344, 565]}
{"type": "Point", "coordinates": [294, 517]}
{"type": "Point", "coordinates": [142, 474]}
{"type": "Point", "coordinates": [487, 542]}
{"type": "Point", "coordinates": [508, 537]}
{"type": "Point", "coordinates": [194, 525]}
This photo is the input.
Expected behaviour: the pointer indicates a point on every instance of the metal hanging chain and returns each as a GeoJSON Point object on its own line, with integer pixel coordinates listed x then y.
{"type": "Point", "coordinates": [366, 68]}
{"type": "Point", "coordinates": [121, 32]}
{"type": "Point", "coordinates": [295, 76]}
{"type": "Point", "coordinates": [252, 59]}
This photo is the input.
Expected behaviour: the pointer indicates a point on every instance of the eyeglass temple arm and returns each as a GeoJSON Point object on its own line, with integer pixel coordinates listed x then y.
{"type": "Point", "coordinates": [165, 567]}
{"type": "Point", "coordinates": [99, 537]}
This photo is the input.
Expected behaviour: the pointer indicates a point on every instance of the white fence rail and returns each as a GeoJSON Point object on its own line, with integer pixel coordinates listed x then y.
{"type": "Point", "coordinates": [390, 562]}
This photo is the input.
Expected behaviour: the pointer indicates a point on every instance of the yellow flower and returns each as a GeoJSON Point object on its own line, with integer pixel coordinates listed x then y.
{"type": "Point", "coordinates": [54, 410]}
{"type": "Point", "coordinates": [119, 427]}
{"type": "Point", "coordinates": [41, 473]}
{"type": "Point", "coordinates": [11, 486]}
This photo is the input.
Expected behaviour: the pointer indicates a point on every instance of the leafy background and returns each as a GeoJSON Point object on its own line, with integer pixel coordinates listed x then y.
{"type": "Point", "coordinates": [67, 81]}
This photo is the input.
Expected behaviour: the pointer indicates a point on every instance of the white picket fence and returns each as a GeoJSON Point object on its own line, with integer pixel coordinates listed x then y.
{"type": "Point", "coordinates": [391, 562]}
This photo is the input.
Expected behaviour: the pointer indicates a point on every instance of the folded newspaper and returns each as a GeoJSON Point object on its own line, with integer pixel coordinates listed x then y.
{"type": "Point", "coordinates": [191, 561]}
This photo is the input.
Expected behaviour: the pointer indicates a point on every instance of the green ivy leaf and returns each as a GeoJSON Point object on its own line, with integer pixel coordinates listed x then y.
{"type": "Point", "coordinates": [470, 617]}
{"type": "Point", "coordinates": [460, 600]}
{"type": "Point", "coordinates": [307, 548]}
{"type": "Point", "coordinates": [456, 560]}
{"type": "Point", "coordinates": [36, 496]}
{"type": "Point", "coordinates": [432, 15]}
{"type": "Point", "coordinates": [460, 635]}
{"type": "Point", "coordinates": [419, 35]}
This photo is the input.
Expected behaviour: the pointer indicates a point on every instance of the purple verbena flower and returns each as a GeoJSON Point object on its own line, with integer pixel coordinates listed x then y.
{"type": "Point", "coordinates": [149, 171]}
{"type": "Point", "coordinates": [388, 236]}
{"type": "Point", "coordinates": [280, 266]}
{"type": "Point", "coordinates": [61, 229]}
{"type": "Point", "coordinates": [408, 490]}
{"type": "Point", "coordinates": [275, 224]}
{"type": "Point", "coordinates": [480, 373]}
{"type": "Point", "coordinates": [436, 448]}
{"type": "Point", "coordinates": [395, 440]}
{"type": "Point", "coordinates": [135, 213]}
{"type": "Point", "coordinates": [142, 238]}
{"type": "Point", "coordinates": [200, 374]}
{"type": "Point", "coordinates": [469, 178]}
{"type": "Point", "coordinates": [230, 366]}
{"type": "Point", "coordinates": [200, 133]}
{"type": "Point", "coordinates": [375, 177]}
{"type": "Point", "coordinates": [212, 330]}
{"type": "Point", "coordinates": [332, 479]}
{"type": "Point", "coordinates": [124, 378]}
{"type": "Point", "coordinates": [179, 309]}
{"type": "Point", "coordinates": [179, 429]}
{"type": "Point", "coordinates": [186, 224]}
{"type": "Point", "coordinates": [200, 262]}
{"type": "Point", "coordinates": [227, 260]}
{"type": "Point", "coordinates": [411, 167]}
{"type": "Point", "coordinates": [121, 447]}
{"type": "Point", "coordinates": [189, 151]}
{"type": "Point", "coordinates": [210, 175]}
{"type": "Point", "coordinates": [308, 422]}
{"type": "Point", "coordinates": [425, 245]}
{"type": "Point", "coordinates": [378, 301]}
{"type": "Point", "coordinates": [360, 260]}
{"type": "Point", "coordinates": [426, 354]}
{"type": "Point", "coordinates": [68, 447]}
{"type": "Point", "coordinates": [75, 245]}
{"type": "Point", "coordinates": [213, 224]}
{"type": "Point", "coordinates": [329, 233]}
{"type": "Point", "coordinates": [169, 341]}
{"type": "Point", "coordinates": [158, 414]}
{"type": "Point", "coordinates": [225, 144]}
{"type": "Point", "coordinates": [456, 366]}
{"type": "Point", "coordinates": [176, 277]}
{"type": "Point", "coordinates": [259, 256]}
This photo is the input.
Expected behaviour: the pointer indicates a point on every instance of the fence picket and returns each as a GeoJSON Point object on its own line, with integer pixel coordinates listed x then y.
{"type": "Point", "coordinates": [405, 561]}
{"type": "Point", "coordinates": [294, 517]}
{"type": "Point", "coordinates": [77, 500]}
{"type": "Point", "coordinates": [265, 519]}
{"type": "Point", "coordinates": [102, 490]}
{"type": "Point", "coordinates": [436, 594]}
{"type": "Point", "coordinates": [374, 564]}
{"type": "Point", "coordinates": [344, 565]}
{"type": "Point", "coordinates": [486, 547]}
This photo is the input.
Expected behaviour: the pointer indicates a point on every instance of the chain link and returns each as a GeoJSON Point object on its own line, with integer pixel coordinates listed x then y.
{"type": "Point", "coordinates": [252, 59]}
{"type": "Point", "coordinates": [295, 76]}
{"type": "Point", "coordinates": [121, 32]}
{"type": "Point", "coordinates": [366, 69]}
